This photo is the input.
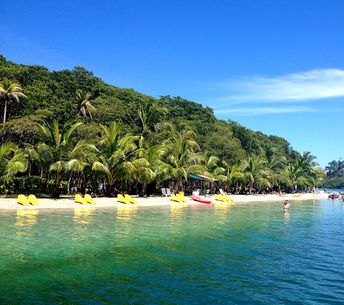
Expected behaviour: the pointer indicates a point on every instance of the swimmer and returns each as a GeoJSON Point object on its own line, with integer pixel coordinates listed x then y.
{"type": "Point", "coordinates": [286, 206]}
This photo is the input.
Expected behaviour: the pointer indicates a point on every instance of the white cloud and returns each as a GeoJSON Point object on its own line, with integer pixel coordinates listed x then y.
{"type": "Point", "coordinates": [296, 87]}
{"type": "Point", "coordinates": [264, 110]}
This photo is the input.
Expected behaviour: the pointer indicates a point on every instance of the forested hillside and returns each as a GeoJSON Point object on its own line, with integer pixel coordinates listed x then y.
{"type": "Point", "coordinates": [334, 175]}
{"type": "Point", "coordinates": [92, 110]}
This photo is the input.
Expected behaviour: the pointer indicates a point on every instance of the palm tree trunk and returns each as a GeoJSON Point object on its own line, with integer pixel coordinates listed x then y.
{"type": "Point", "coordinates": [5, 111]}
{"type": "Point", "coordinates": [56, 193]}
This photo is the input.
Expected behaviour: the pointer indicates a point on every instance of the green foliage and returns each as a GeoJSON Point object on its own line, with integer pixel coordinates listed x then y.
{"type": "Point", "coordinates": [334, 175]}
{"type": "Point", "coordinates": [29, 185]}
{"type": "Point", "coordinates": [127, 140]}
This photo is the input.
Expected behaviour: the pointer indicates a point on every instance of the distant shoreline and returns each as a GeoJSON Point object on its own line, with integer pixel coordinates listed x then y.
{"type": "Point", "coordinates": [107, 202]}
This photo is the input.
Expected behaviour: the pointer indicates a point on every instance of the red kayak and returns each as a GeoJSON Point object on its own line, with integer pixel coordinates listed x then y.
{"type": "Point", "coordinates": [200, 199]}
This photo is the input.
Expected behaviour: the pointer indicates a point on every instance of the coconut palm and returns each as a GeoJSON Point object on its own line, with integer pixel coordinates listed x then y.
{"type": "Point", "coordinates": [306, 162]}
{"type": "Point", "coordinates": [149, 165]}
{"type": "Point", "coordinates": [214, 169]}
{"type": "Point", "coordinates": [182, 158]}
{"type": "Point", "coordinates": [294, 176]}
{"type": "Point", "coordinates": [148, 115]}
{"type": "Point", "coordinates": [274, 164]}
{"type": "Point", "coordinates": [59, 150]}
{"type": "Point", "coordinates": [234, 176]}
{"type": "Point", "coordinates": [12, 160]}
{"type": "Point", "coordinates": [114, 157]}
{"type": "Point", "coordinates": [84, 103]}
{"type": "Point", "coordinates": [255, 173]}
{"type": "Point", "coordinates": [9, 92]}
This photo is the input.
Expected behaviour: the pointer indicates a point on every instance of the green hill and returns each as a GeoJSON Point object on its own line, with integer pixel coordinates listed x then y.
{"type": "Point", "coordinates": [51, 95]}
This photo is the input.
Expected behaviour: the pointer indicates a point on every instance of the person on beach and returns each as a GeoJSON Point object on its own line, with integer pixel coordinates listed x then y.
{"type": "Point", "coordinates": [286, 206]}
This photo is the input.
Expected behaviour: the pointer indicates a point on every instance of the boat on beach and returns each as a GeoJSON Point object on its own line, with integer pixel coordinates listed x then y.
{"type": "Point", "coordinates": [201, 199]}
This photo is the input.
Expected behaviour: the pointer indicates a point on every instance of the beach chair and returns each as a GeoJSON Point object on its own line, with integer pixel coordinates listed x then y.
{"type": "Point", "coordinates": [222, 192]}
{"type": "Point", "coordinates": [196, 193]}
{"type": "Point", "coordinates": [163, 191]}
{"type": "Point", "coordinates": [121, 199]}
{"type": "Point", "coordinates": [181, 197]}
{"type": "Point", "coordinates": [33, 199]}
{"type": "Point", "coordinates": [89, 199]}
{"type": "Point", "coordinates": [79, 199]}
{"type": "Point", "coordinates": [168, 192]}
{"type": "Point", "coordinates": [23, 200]}
{"type": "Point", "coordinates": [176, 198]}
{"type": "Point", "coordinates": [223, 198]}
{"type": "Point", "coordinates": [130, 199]}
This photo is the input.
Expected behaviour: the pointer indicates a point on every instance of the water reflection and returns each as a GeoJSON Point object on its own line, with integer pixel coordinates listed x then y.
{"type": "Point", "coordinates": [176, 217]}
{"type": "Point", "coordinates": [126, 213]}
{"type": "Point", "coordinates": [25, 219]}
{"type": "Point", "coordinates": [124, 220]}
{"type": "Point", "coordinates": [84, 215]}
{"type": "Point", "coordinates": [221, 211]}
{"type": "Point", "coordinates": [286, 217]}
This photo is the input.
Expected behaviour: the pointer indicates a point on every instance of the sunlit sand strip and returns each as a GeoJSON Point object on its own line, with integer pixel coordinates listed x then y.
{"type": "Point", "coordinates": [104, 202]}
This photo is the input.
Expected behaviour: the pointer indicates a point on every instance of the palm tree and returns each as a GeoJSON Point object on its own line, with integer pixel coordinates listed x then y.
{"type": "Point", "coordinates": [234, 176]}
{"type": "Point", "coordinates": [149, 165]}
{"type": "Point", "coordinates": [10, 91]}
{"type": "Point", "coordinates": [294, 176]}
{"type": "Point", "coordinates": [84, 103]}
{"type": "Point", "coordinates": [12, 160]}
{"type": "Point", "coordinates": [214, 169]}
{"type": "Point", "coordinates": [274, 164]}
{"type": "Point", "coordinates": [59, 150]}
{"type": "Point", "coordinates": [309, 167]}
{"type": "Point", "coordinates": [255, 173]}
{"type": "Point", "coordinates": [181, 158]}
{"type": "Point", "coordinates": [148, 115]}
{"type": "Point", "coordinates": [114, 157]}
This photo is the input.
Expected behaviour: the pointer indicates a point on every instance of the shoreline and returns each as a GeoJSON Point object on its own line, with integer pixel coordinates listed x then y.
{"type": "Point", "coordinates": [154, 201]}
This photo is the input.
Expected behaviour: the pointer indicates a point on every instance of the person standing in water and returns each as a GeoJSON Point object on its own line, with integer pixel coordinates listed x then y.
{"type": "Point", "coordinates": [286, 206]}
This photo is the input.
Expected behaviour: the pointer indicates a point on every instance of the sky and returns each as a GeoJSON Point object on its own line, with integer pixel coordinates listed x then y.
{"type": "Point", "coordinates": [276, 66]}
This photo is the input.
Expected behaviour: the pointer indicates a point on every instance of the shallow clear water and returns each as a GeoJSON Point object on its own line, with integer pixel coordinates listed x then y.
{"type": "Point", "coordinates": [242, 254]}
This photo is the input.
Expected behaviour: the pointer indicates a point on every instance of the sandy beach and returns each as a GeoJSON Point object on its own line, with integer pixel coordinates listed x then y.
{"type": "Point", "coordinates": [106, 202]}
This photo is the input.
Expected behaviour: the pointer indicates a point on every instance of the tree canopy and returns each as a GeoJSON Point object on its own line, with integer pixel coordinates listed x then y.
{"type": "Point", "coordinates": [95, 133]}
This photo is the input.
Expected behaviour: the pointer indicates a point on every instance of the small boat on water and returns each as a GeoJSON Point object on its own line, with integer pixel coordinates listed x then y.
{"type": "Point", "coordinates": [200, 199]}
{"type": "Point", "coordinates": [333, 196]}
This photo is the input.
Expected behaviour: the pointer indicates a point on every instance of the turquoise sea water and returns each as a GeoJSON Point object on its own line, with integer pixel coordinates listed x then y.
{"type": "Point", "coordinates": [242, 254]}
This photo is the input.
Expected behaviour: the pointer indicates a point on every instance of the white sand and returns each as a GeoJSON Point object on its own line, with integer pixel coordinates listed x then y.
{"type": "Point", "coordinates": [105, 202]}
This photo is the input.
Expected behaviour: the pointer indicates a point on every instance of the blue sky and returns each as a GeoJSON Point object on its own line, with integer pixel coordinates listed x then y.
{"type": "Point", "coordinates": [274, 66]}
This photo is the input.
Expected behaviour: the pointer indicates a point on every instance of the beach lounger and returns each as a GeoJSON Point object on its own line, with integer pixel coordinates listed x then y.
{"type": "Point", "coordinates": [222, 192]}
{"type": "Point", "coordinates": [33, 199]}
{"type": "Point", "coordinates": [121, 199]}
{"type": "Point", "coordinates": [176, 198]}
{"type": "Point", "coordinates": [163, 191]}
{"type": "Point", "coordinates": [89, 199]}
{"type": "Point", "coordinates": [23, 200]}
{"type": "Point", "coordinates": [130, 199]}
{"type": "Point", "coordinates": [166, 192]}
{"type": "Point", "coordinates": [79, 199]}
{"type": "Point", "coordinates": [196, 193]}
{"type": "Point", "coordinates": [223, 198]}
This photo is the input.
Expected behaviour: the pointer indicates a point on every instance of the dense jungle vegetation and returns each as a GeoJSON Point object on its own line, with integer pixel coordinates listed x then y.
{"type": "Point", "coordinates": [334, 175]}
{"type": "Point", "coordinates": [69, 129]}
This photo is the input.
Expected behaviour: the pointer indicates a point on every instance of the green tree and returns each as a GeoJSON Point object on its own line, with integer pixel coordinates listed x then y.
{"type": "Point", "coordinates": [114, 157]}
{"type": "Point", "coordinates": [9, 92]}
{"type": "Point", "coordinates": [182, 158]}
{"type": "Point", "coordinates": [256, 173]}
{"type": "Point", "coordinates": [59, 149]}
{"type": "Point", "coordinates": [148, 165]}
{"type": "Point", "coordinates": [12, 160]}
{"type": "Point", "coordinates": [84, 103]}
